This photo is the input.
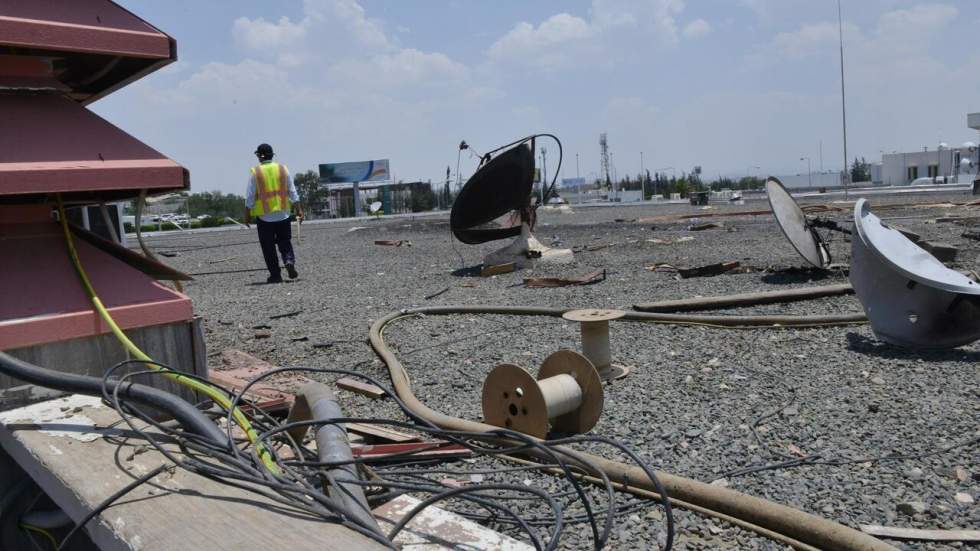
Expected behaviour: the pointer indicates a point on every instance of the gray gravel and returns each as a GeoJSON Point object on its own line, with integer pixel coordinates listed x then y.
{"type": "Point", "coordinates": [695, 392]}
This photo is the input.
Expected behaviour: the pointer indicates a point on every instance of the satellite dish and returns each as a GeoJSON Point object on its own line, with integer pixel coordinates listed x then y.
{"type": "Point", "coordinates": [496, 200]}
{"type": "Point", "coordinates": [496, 204]}
{"type": "Point", "coordinates": [910, 297]}
{"type": "Point", "coordinates": [375, 207]}
{"type": "Point", "coordinates": [795, 225]}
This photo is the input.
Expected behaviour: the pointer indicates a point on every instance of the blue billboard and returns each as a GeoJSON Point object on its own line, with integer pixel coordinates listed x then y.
{"type": "Point", "coordinates": [361, 171]}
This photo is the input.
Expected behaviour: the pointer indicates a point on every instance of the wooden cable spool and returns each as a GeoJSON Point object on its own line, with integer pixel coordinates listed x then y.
{"type": "Point", "coordinates": [595, 340]}
{"type": "Point", "coordinates": [567, 395]}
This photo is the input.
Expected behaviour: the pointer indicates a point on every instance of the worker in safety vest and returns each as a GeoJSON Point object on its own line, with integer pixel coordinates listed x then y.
{"type": "Point", "coordinates": [269, 199]}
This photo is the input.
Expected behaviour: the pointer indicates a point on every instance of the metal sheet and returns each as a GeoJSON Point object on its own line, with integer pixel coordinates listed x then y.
{"type": "Point", "coordinates": [794, 225]}
{"type": "Point", "coordinates": [905, 257]}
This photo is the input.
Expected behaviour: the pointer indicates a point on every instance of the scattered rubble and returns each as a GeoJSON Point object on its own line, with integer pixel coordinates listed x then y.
{"type": "Point", "coordinates": [587, 279]}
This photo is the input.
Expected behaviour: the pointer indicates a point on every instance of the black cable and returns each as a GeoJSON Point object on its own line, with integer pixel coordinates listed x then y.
{"type": "Point", "coordinates": [107, 502]}
{"type": "Point", "coordinates": [188, 416]}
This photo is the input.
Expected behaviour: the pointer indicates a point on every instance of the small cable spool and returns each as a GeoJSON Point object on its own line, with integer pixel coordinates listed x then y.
{"type": "Point", "coordinates": [567, 395]}
{"type": "Point", "coordinates": [594, 325]}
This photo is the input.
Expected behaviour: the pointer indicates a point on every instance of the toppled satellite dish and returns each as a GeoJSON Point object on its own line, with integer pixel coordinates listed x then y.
{"type": "Point", "coordinates": [796, 226]}
{"type": "Point", "coordinates": [496, 203]}
{"type": "Point", "coordinates": [911, 299]}
{"type": "Point", "coordinates": [375, 207]}
{"type": "Point", "coordinates": [496, 200]}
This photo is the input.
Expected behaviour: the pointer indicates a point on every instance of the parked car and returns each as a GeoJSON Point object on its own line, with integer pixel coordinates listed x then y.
{"type": "Point", "coordinates": [928, 181]}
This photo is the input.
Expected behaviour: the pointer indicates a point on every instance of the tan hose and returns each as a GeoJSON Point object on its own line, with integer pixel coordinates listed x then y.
{"type": "Point", "coordinates": [139, 235]}
{"type": "Point", "coordinates": [806, 528]}
{"type": "Point", "coordinates": [745, 299]}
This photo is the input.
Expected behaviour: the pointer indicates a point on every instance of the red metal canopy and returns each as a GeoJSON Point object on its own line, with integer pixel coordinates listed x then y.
{"type": "Point", "coordinates": [90, 47]}
{"type": "Point", "coordinates": [51, 144]}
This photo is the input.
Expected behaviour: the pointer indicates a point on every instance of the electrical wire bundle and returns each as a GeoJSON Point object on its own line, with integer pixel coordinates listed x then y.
{"type": "Point", "coordinates": [298, 483]}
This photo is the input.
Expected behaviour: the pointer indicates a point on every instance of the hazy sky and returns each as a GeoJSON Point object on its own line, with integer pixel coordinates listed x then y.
{"type": "Point", "coordinates": [726, 84]}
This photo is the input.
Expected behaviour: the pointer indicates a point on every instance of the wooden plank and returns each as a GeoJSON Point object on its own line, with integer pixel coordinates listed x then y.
{"type": "Point", "coordinates": [377, 453]}
{"type": "Point", "coordinates": [921, 535]}
{"type": "Point", "coordinates": [63, 445]}
{"type": "Point", "coordinates": [436, 529]}
{"type": "Point", "coordinates": [381, 432]}
{"type": "Point", "coordinates": [358, 387]}
{"type": "Point", "coordinates": [498, 269]}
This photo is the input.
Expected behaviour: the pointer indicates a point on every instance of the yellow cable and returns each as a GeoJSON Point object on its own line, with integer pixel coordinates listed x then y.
{"type": "Point", "coordinates": [212, 392]}
{"type": "Point", "coordinates": [47, 535]}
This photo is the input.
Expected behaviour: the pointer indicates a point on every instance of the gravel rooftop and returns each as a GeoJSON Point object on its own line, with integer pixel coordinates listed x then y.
{"type": "Point", "coordinates": [695, 393]}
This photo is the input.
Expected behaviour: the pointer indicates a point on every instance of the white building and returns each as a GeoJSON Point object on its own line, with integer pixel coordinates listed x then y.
{"type": "Point", "coordinates": [945, 163]}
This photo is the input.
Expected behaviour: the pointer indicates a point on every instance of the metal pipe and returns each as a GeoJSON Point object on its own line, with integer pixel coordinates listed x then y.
{"type": "Point", "coordinates": [745, 299]}
{"type": "Point", "coordinates": [804, 527]}
{"type": "Point", "coordinates": [316, 402]}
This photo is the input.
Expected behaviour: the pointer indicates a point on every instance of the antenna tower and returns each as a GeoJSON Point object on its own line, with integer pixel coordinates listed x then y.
{"type": "Point", "coordinates": [604, 152]}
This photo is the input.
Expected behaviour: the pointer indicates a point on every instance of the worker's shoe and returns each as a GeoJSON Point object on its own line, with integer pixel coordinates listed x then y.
{"type": "Point", "coordinates": [293, 274]}
{"type": "Point", "coordinates": [273, 280]}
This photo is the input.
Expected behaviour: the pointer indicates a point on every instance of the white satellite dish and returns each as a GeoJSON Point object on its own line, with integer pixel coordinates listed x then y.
{"type": "Point", "coordinates": [910, 298]}
{"type": "Point", "coordinates": [795, 225]}
{"type": "Point", "coordinates": [375, 207]}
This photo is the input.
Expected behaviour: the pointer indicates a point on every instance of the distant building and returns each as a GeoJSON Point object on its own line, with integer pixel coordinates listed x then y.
{"type": "Point", "coordinates": [943, 164]}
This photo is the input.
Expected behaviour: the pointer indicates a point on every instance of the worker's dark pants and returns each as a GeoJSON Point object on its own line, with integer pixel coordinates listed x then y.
{"type": "Point", "coordinates": [272, 234]}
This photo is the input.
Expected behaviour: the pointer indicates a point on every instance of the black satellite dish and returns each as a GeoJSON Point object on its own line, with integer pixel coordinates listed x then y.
{"type": "Point", "coordinates": [495, 203]}
{"type": "Point", "coordinates": [496, 200]}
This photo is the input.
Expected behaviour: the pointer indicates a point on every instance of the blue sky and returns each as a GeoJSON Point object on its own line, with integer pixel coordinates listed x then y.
{"type": "Point", "coordinates": [725, 84]}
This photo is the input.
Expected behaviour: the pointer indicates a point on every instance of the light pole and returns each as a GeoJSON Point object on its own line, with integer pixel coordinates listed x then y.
{"type": "Point", "coordinates": [748, 170]}
{"type": "Point", "coordinates": [809, 173]}
{"type": "Point", "coordinates": [576, 166]}
{"type": "Point", "coordinates": [843, 109]}
{"type": "Point", "coordinates": [643, 181]}
{"type": "Point", "coordinates": [544, 173]}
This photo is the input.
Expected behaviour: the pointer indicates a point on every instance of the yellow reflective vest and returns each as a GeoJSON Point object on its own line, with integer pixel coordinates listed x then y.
{"type": "Point", "coordinates": [271, 188]}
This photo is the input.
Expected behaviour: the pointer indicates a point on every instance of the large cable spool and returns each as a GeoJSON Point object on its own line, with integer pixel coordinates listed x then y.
{"type": "Point", "coordinates": [567, 396]}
